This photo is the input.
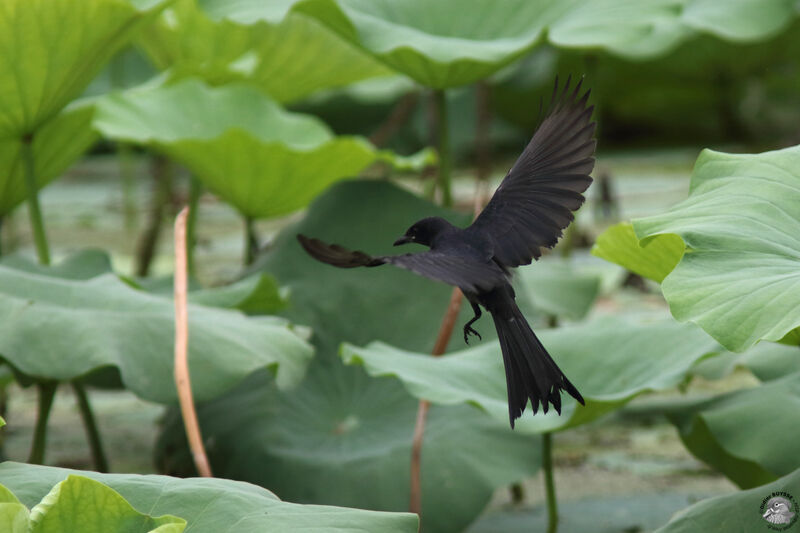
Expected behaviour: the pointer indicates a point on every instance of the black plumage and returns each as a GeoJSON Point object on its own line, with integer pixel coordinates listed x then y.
{"type": "Point", "coordinates": [527, 213]}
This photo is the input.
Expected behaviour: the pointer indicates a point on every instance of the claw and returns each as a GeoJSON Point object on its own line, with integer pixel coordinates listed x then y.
{"type": "Point", "coordinates": [467, 331]}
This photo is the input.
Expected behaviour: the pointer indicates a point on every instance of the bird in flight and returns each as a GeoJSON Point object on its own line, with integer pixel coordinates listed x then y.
{"type": "Point", "coordinates": [528, 212]}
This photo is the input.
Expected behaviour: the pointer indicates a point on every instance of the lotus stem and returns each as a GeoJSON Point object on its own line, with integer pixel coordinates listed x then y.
{"type": "Point", "coordinates": [250, 240]}
{"type": "Point", "coordinates": [195, 191]}
{"type": "Point", "coordinates": [39, 235]}
{"type": "Point", "coordinates": [445, 155]}
{"type": "Point", "coordinates": [399, 115]}
{"type": "Point", "coordinates": [439, 347]}
{"type": "Point", "coordinates": [99, 458]}
{"type": "Point", "coordinates": [162, 171]}
{"type": "Point", "coordinates": [47, 391]}
{"type": "Point", "coordinates": [128, 175]}
{"type": "Point", "coordinates": [182, 379]}
{"type": "Point", "coordinates": [549, 482]}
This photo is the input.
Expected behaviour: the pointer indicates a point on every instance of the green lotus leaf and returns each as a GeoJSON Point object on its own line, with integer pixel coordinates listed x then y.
{"type": "Point", "coordinates": [740, 511]}
{"type": "Point", "coordinates": [299, 56]}
{"type": "Point", "coordinates": [208, 505]}
{"type": "Point", "coordinates": [54, 48]}
{"type": "Point", "coordinates": [558, 289]}
{"type": "Point", "coordinates": [424, 41]}
{"type": "Point", "coordinates": [610, 361]}
{"type": "Point", "coordinates": [82, 265]}
{"type": "Point", "coordinates": [742, 20]}
{"type": "Point", "coordinates": [58, 143]}
{"type": "Point", "coordinates": [243, 146]}
{"type": "Point", "coordinates": [13, 514]}
{"type": "Point", "coordinates": [82, 504]}
{"type": "Point", "coordinates": [653, 260]}
{"type": "Point", "coordinates": [766, 360]}
{"type": "Point", "coordinates": [721, 431]}
{"type": "Point", "coordinates": [601, 511]}
{"type": "Point", "coordinates": [645, 29]}
{"type": "Point", "coordinates": [288, 57]}
{"type": "Point", "coordinates": [59, 328]}
{"type": "Point", "coordinates": [738, 279]}
{"type": "Point", "coordinates": [258, 294]}
{"type": "Point", "coordinates": [183, 38]}
{"type": "Point", "coordinates": [321, 441]}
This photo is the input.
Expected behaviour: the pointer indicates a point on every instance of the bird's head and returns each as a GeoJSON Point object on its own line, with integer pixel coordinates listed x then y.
{"type": "Point", "coordinates": [424, 231]}
{"type": "Point", "coordinates": [778, 510]}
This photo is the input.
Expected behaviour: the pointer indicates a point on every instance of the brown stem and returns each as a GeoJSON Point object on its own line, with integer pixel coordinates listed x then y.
{"type": "Point", "coordinates": [182, 381]}
{"type": "Point", "coordinates": [442, 339]}
{"type": "Point", "coordinates": [398, 116]}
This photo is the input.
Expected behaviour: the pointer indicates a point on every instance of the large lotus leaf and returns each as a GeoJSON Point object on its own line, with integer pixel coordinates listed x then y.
{"type": "Point", "coordinates": [299, 56]}
{"type": "Point", "coordinates": [646, 29]}
{"type": "Point", "coordinates": [740, 20]}
{"type": "Point", "coordinates": [13, 515]}
{"type": "Point", "coordinates": [208, 505]}
{"type": "Point", "coordinates": [341, 437]}
{"type": "Point", "coordinates": [257, 294]}
{"type": "Point", "coordinates": [730, 432]}
{"type": "Point", "coordinates": [635, 511]}
{"type": "Point", "coordinates": [243, 146]}
{"type": "Point", "coordinates": [53, 49]}
{"type": "Point", "coordinates": [766, 360]}
{"type": "Point", "coordinates": [289, 57]}
{"type": "Point", "coordinates": [82, 265]}
{"type": "Point", "coordinates": [558, 289]}
{"type": "Point", "coordinates": [129, 68]}
{"type": "Point", "coordinates": [638, 96]}
{"type": "Point", "coordinates": [741, 511]}
{"type": "Point", "coordinates": [610, 361]}
{"type": "Point", "coordinates": [58, 143]}
{"type": "Point", "coordinates": [653, 260]}
{"type": "Point", "coordinates": [423, 39]}
{"type": "Point", "coordinates": [59, 328]}
{"type": "Point", "coordinates": [80, 503]}
{"type": "Point", "coordinates": [184, 39]}
{"type": "Point", "coordinates": [344, 439]}
{"type": "Point", "coordinates": [739, 279]}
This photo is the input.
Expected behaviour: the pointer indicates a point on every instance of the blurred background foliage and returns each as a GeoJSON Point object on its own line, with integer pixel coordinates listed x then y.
{"type": "Point", "coordinates": [259, 115]}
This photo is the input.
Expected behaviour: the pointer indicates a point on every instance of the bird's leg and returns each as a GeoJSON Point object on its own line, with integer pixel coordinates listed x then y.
{"type": "Point", "coordinates": [467, 329]}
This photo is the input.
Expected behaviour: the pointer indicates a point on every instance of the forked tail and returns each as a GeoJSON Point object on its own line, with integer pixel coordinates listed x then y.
{"type": "Point", "coordinates": [530, 371]}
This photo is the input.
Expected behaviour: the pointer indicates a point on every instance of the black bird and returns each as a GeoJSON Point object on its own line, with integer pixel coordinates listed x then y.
{"type": "Point", "coordinates": [528, 212]}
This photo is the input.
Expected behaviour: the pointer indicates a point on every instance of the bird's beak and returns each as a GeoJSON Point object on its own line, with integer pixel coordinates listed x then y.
{"type": "Point", "coordinates": [405, 239]}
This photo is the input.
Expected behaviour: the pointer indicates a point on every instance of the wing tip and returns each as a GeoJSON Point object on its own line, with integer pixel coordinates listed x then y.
{"type": "Point", "coordinates": [334, 254]}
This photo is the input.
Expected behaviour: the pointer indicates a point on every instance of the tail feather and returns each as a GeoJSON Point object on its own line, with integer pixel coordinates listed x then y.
{"type": "Point", "coordinates": [530, 371]}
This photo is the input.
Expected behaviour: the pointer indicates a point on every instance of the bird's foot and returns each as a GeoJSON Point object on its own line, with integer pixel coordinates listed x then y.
{"type": "Point", "coordinates": [467, 331]}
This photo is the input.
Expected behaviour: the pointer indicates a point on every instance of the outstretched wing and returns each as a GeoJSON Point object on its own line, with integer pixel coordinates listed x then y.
{"type": "Point", "coordinates": [464, 272]}
{"type": "Point", "coordinates": [535, 201]}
